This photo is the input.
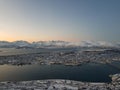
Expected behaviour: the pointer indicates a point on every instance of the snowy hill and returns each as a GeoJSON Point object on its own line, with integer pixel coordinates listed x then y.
{"type": "Point", "coordinates": [96, 44]}
{"type": "Point", "coordinates": [57, 44]}
{"type": "Point", "coordinates": [21, 43]}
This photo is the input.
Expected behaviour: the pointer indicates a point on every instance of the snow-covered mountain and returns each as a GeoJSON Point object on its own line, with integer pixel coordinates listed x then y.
{"type": "Point", "coordinates": [5, 44]}
{"type": "Point", "coordinates": [21, 43]}
{"type": "Point", "coordinates": [51, 44]}
{"type": "Point", "coordinates": [56, 44]}
{"type": "Point", "coordinates": [97, 44]}
{"type": "Point", "coordinates": [14, 44]}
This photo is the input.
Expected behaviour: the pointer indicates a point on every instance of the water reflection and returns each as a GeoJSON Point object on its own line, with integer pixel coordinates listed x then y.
{"type": "Point", "coordinates": [88, 72]}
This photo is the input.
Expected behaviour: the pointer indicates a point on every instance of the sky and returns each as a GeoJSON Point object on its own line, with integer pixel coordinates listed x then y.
{"type": "Point", "coordinates": [66, 20]}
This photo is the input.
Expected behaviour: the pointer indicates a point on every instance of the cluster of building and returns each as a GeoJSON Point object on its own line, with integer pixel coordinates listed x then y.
{"type": "Point", "coordinates": [63, 57]}
{"type": "Point", "coordinates": [61, 85]}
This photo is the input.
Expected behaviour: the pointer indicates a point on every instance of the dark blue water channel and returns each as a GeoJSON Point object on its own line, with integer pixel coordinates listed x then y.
{"type": "Point", "coordinates": [89, 72]}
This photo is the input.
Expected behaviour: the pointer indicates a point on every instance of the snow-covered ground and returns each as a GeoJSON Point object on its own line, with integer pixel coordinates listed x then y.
{"type": "Point", "coordinates": [61, 85]}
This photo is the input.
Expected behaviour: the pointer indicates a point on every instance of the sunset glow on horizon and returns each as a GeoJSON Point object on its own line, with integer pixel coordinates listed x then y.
{"type": "Point", "coordinates": [66, 20]}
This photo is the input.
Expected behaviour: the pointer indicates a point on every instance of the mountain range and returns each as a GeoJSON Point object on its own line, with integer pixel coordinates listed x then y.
{"type": "Point", "coordinates": [52, 44]}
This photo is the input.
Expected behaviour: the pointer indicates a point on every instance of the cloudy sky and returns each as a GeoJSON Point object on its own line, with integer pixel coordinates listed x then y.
{"type": "Point", "coordinates": [67, 20]}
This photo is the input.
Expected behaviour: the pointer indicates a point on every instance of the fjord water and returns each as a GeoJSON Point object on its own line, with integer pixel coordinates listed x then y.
{"type": "Point", "coordinates": [89, 72]}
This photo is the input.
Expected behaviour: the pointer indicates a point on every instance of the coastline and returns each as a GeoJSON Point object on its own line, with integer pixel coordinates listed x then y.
{"type": "Point", "coordinates": [60, 84]}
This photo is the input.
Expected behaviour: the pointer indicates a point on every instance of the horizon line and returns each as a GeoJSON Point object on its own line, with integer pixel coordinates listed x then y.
{"type": "Point", "coordinates": [58, 40]}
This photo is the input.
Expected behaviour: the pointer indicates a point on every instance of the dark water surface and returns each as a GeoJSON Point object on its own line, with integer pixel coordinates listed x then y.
{"type": "Point", "coordinates": [87, 72]}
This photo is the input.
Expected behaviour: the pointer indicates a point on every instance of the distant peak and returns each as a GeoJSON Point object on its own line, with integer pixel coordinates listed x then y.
{"type": "Point", "coordinates": [59, 43]}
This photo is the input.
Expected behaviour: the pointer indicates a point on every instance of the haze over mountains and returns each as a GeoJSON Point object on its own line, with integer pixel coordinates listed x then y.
{"type": "Point", "coordinates": [52, 44]}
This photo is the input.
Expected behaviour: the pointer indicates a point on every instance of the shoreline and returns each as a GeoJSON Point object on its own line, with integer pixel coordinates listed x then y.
{"type": "Point", "coordinates": [61, 84]}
